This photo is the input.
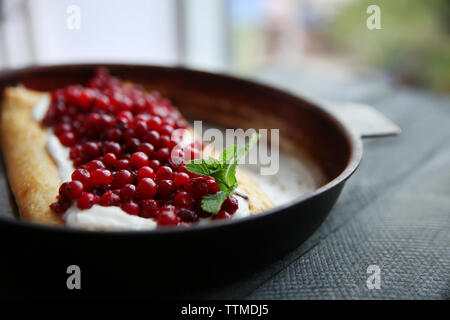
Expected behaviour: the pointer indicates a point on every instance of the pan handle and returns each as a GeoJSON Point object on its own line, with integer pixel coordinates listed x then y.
{"type": "Point", "coordinates": [364, 120]}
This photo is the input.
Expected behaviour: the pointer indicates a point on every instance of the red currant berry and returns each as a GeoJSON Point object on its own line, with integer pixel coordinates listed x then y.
{"type": "Point", "coordinates": [165, 188]}
{"type": "Point", "coordinates": [86, 98]}
{"type": "Point", "coordinates": [122, 178]}
{"type": "Point", "coordinates": [61, 128]}
{"type": "Point", "coordinates": [125, 115]}
{"type": "Point", "coordinates": [181, 180]}
{"type": "Point", "coordinates": [161, 154]}
{"type": "Point", "coordinates": [149, 209]}
{"type": "Point", "coordinates": [146, 148]}
{"type": "Point", "coordinates": [131, 208]}
{"type": "Point", "coordinates": [114, 134]}
{"type": "Point", "coordinates": [164, 142]}
{"type": "Point", "coordinates": [166, 130]}
{"type": "Point", "coordinates": [122, 124]}
{"type": "Point", "coordinates": [213, 187]}
{"type": "Point", "coordinates": [140, 128]}
{"type": "Point", "coordinates": [198, 187]}
{"type": "Point", "coordinates": [222, 215]}
{"type": "Point", "coordinates": [67, 138]}
{"type": "Point", "coordinates": [102, 102]}
{"type": "Point", "coordinates": [138, 160]}
{"type": "Point", "coordinates": [75, 152]}
{"type": "Point", "coordinates": [127, 192]}
{"type": "Point", "coordinates": [146, 172]}
{"type": "Point", "coordinates": [110, 159]}
{"type": "Point", "coordinates": [183, 200]}
{"type": "Point", "coordinates": [94, 164]}
{"type": "Point", "coordinates": [92, 121]}
{"type": "Point", "coordinates": [154, 123]}
{"type": "Point", "coordinates": [109, 198]}
{"type": "Point", "coordinates": [71, 190]}
{"type": "Point", "coordinates": [152, 137]}
{"type": "Point", "coordinates": [142, 117]}
{"type": "Point", "coordinates": [187, 215]}
{"type": "Point", "coordinates": [230, 205]}
{"type": "Point", "coordinates": [147, 188]}
{"type": "Point", "coordinates": [167, 217]}
{"type": "Point", "coordinates": [164, 173]}
{"type": "Point", "coordinates": [199, 210]}
{"type": "Point", "coordinates": [123, 164]}
{"type": "Point", "coordinates": [101, 176]}
{"type": "Point", "coordinates": [90, 150]}
{"type": "Point", "coordinates": [154, 164]}
{"type": "Point", "coordinates": [105, 122]}
{"type": "Point", "coordinates": [131, 145]}
{"type": "Point", "coordinates": [111, 147]}
{"type": "Point", "coordinates": [85, 201]}
{"type": "Point", "coordinates": [60, 206]}
{"type": "Point", "coordinates": [82, 175]}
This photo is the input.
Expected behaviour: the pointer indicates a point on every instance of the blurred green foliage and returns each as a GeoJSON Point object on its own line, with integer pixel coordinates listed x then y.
{"type": "Point", "coordinates": [413, 44]}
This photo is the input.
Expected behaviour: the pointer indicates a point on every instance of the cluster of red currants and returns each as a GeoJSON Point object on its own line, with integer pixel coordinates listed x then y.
{"type": "Point", "coordinates": [120, 140]}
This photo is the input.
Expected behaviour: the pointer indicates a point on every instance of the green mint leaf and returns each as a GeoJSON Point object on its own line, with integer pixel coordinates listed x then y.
{"type": "Point", "coordinates": [223, 171]}
{"type": "Point", "coordinates": [228, 154]}
{"type": "Point", "coordinates": [243, 151]}
{"type": "Point", "coordinates": [213, 164]}
{"type": "Point", "coordinates": [204, 167]}
{"type": "Point", "coordinates": [230, 170]}
{"type": "Point", "coordinates": [223, 177]}
{"type": "Point", "coordinates": [222, 184]}
{"type": "Point", "coordinates": [229, 175]}
{"type": "Point", "coordinates": [213, 202]}
{"type": "Point", "coordinates": [198, 168]}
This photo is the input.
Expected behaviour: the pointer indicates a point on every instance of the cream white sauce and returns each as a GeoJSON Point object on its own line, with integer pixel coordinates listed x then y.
{"type": "Point", "coordinates": [99, 217]}
{"type": "Point", "coordinates": [297, 176]}
{"type": "Point", "coordinates": [40, 108]}
{"type": "Point", "coordinates": [106, 218]}
{"type": "Point", "coordinates": [60, 155]}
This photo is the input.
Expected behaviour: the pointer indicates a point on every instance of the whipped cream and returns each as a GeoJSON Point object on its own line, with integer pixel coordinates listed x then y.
{"type": "Point", "coordinates": [40, 108]}
{"type": "Point", "coordinates": [60, 155]}
{"type": "Point", "coordinates": [106, 218]}
{"type": "Point", "coordinates": [99, 217]}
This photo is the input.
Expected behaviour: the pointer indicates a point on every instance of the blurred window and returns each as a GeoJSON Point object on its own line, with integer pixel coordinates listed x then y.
{"type": "Point", "coordinates": [110, 30]}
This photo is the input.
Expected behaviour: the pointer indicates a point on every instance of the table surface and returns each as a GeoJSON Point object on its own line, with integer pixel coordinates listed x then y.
{"type": "Point", "coordinates": [393, 213]}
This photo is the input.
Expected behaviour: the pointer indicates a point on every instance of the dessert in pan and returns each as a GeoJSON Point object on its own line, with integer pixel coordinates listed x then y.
{"type": "Point", "coordinates": [105, 156]}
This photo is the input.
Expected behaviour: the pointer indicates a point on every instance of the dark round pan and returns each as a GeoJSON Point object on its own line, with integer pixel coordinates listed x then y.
{"type": "Point", "coordinates": [171, 262]}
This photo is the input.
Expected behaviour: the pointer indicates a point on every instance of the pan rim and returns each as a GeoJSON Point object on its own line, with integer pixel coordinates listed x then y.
{"type": "Point", "coordinates": [351, 137]}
